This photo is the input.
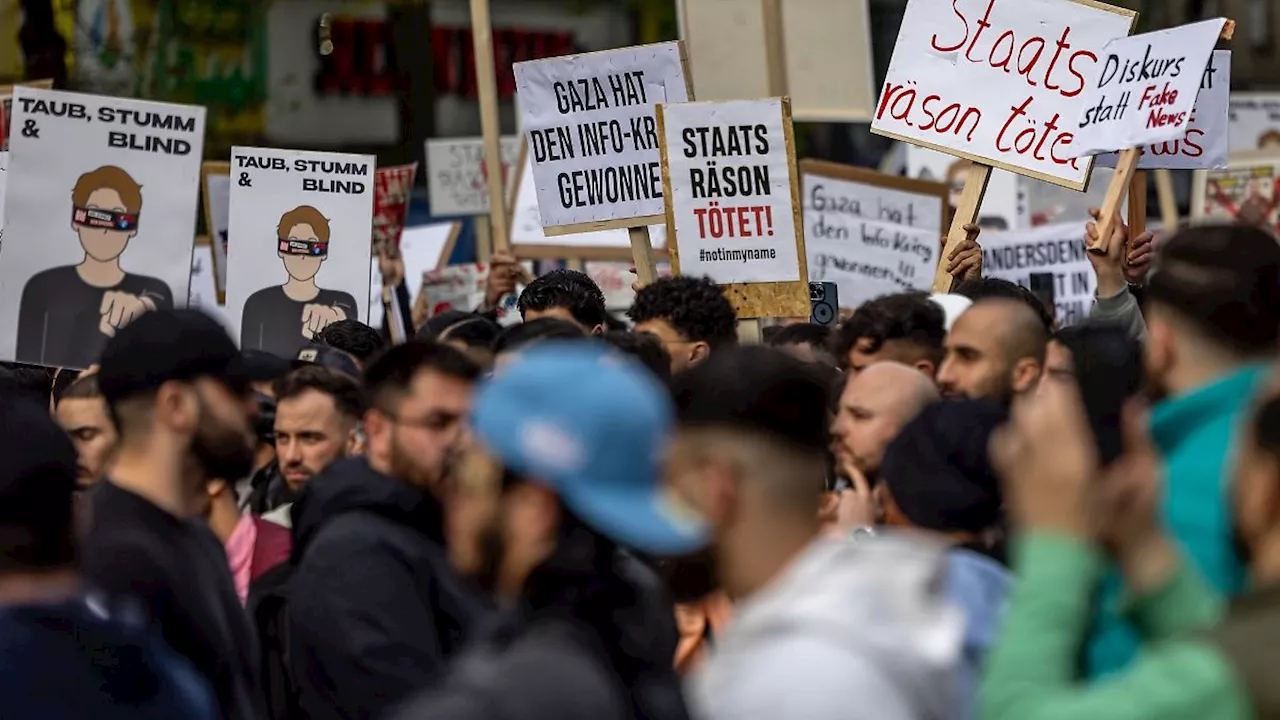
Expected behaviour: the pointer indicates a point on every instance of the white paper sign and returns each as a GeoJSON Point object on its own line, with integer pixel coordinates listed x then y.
{"type": "Point", "coordinates": [1206, 143]}
{"type": "Point", "coordinates": [592, 133]}
{"type": "Point", "coordinates": [997, 81]}
{"type": "Point", "coordinates": [218, 189]}
{"type": "Point", "coordinates": [203, 295]}
{"type": "Point", "coordinates": [1145, 89]}
{"type": "Point", "coordinates": [526, 225]}
{"type": "Point", "coordinates": [1004, 206]}
{"type": "Point", "coordinates": [100, 229]}
{"type": "Point", "coordinates": [423, 249]}
{"type": "Point", "coordinates": [4, 178]}
{"type": "Point", "coordinates": [1255, 121]}
{"type": "Point", "coordinates": [302, 223]}
{"type": "Point", "coordinates": [456, 174]}
{"type": "Point", "coordinates": [732, 212]}
{"type": "Point", "coordinates": [1057, 249]}
{"type": "Point", "coordinates": [870, 240]}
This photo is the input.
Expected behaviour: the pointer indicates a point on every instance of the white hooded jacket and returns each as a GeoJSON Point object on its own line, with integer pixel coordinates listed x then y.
{"type": "Point", "coordinates": [849, 631]}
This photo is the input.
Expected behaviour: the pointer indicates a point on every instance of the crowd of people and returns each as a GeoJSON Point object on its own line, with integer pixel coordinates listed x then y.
{"type": "Point", "coordinates": [946, 507]}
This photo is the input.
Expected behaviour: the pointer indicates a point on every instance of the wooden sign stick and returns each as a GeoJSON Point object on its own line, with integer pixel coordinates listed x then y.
{"type": "Point", "coordinates": [1138, 203]}
{"type": "Point", "coordinates": [487, 89]}
{"type": "Point", "coordinates": [975, 187]}
{"type": "Point", "coordinates": [642, 254]}
{"type": "Point", "coordinates": [1168, 203]}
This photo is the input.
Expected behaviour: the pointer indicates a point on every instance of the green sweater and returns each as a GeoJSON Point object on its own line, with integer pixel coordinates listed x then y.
{"type": "Point", "coordinates": [1031, 673]}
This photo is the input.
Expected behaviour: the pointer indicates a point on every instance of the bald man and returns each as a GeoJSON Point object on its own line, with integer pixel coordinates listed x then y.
{"type": "Point", "coordinates": [874, 407]}
{"type": "Point", "coordinates": [996, 350]}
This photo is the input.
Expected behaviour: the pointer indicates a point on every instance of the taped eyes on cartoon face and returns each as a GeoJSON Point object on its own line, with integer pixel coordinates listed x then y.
{"type": "Point", "coordinates": [303, 252]}
{"type": "Point", "coordinates": [104, 225]}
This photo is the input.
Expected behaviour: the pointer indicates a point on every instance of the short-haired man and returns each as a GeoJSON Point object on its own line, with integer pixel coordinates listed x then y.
{"type": "Point", "coordinates": [173, 383]}
{"type": "Point", "coordinates": [352, 337]}
{"type": "Point", "coordinates": [804, 340]}
{"type": "Point", "coordinates": [566, 295]}
{"type": "Point", "coordinates": [67, 313]}
{"type": "Point", "coordinates": [375, 609]}
{"type": "Point", "coordinates": [873, 408]}
{"type": "Point", "coordinates": [318, 413]}
{"type": "Point", "coordinates": [907, 328]}
{"type": "Point", "coordinates": [281, 319]}
{"type": "Point", "coordinates": [821, 642]}
{"type": "Point", "coordinates": [996, 350]}
{"type": "Point", "coordinates": [691, 316]}
{"type": "Point", "coordinates": [82, 413]}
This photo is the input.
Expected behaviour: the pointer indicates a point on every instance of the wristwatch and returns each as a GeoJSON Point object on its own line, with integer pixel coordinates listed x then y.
{"type": "Point", "coordinates": [862, 532]}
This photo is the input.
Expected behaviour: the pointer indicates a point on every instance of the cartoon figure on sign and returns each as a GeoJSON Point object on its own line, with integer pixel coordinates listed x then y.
{"type": "Point", "coordinates": [67, 313]}
{"type": "Point", "coordinates": [282, 319]}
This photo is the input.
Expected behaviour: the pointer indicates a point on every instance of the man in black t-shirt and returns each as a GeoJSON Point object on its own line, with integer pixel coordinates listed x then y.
{"type": "Point", "coordinates": [283, 319]}
{"type": "Point", "coordinates": [67, 313]}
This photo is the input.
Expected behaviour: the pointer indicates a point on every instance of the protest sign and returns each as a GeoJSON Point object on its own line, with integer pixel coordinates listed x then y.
{"type": "Point", "coordinates": [614, 280]}
{"type": "Point", "coordinates": [461, 287]}
{"type": "Point", "coordinates": [1205, 144]}
{"type": "Point", "coordinates": [868, 233]}
{"type": "Point", "coordinates": [391, 188]}
{"type": "Point", "coordinates": [1145, 88]}
{"type": "Point", "coordinates": [1057, 249]}
{"type": "Point", "coordinates": [456, 174]}
{"type": "Point", "coordinates": [829, 74]}
{"type": "Point", "coordinates": [215, 186]}
{"type": "Point", "coordinates": [733, 211]}
{"type": "Point", "coordinates": [4, 179]}
{"type": "Point", "coordinates": [423, 248]}
{"type": "Point", "coordinates": [998, 81]}
{"type": "Point", "coordinates": [6, 106]}
{"type": "Point", "coordinates": [1245, 191]}
{"type": "Point", "coordinates": [529, 241]}
{"type": "Point", "coordinates": [99, 230]}
{"type": "Point", "coordinates": [1005, 205]}
{"type": "Point", "coordinates": [589, 122]}
{"type": "Point", "coordinates": [1255, 122]}
{"type": "Point", "coordinates": [203, 293]}
{"type": "Point", "coordinates": [291, 213]}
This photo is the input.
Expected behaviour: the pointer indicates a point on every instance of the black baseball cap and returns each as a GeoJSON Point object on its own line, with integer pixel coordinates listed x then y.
{"type": "Point", "coordinates": [37, 481]}
{"type": "Point", "coordinates": [329, 357]}
{"type": "Point", "coordinates": [169, 345]}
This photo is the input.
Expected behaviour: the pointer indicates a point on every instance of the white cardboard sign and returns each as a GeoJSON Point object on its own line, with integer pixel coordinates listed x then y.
{"type": "Point", "coordinates": [998, 81]}
{"type": "Point", "coordinates": [4, 179]}
{"type": "Point", "coordinates": [218, 189]}
{"type": "Point", "coordinates": [1206, 144]}
{"type": "Point", "coordinates": [203, 294]}
{"type": "Point", "coordinates": [456, 174]}
{"type": "Point", "coordinates": [1057, 249]}
{"type": "Point", "coordinates": [101, 227]}
{"type": "Point", "coordinates": [1004, 206]}
{"type": "Point", "coordinates": [1255, 122]}
{"type": "Point", "coordinates": [1145, 89]}
{"type": "Point", "coordinates": [870, 240]}
{"type": "Point", "coordinates": [592, 134]}
{"type": "Point", "coordinates": [423, 248]}
{"type": "Point", "coordinates": [302, 223]}
{"type": "Point", "coordinates": [731, 211]}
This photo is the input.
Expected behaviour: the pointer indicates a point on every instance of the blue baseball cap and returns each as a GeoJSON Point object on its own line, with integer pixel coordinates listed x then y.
{"type": "Point", "coordinates": [593, 426]}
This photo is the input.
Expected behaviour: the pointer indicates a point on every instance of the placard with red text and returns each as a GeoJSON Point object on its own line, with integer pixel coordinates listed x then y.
{"type": "Point", "coordinates": [998, 81]}
{"type": "Point", "coordinates": [1146, 88]}
{"type": "Point", "coordinates": [731, 213]}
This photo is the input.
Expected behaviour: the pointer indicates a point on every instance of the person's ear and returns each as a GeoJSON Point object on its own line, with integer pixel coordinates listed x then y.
{"type": "Point", "coordinates": [698, 352]}
{"type": "Point", "coordinates": [927, 367]}
{"type": "Point", "coordinates": [828, 504]}
{"type": "Point", "coordinates": [1026, 374]}
{"type": "Point", "coordinates": [355, 442]}
{"type": "Point", "coordinates": [177, 407]}
{"type": "Point", "coordinates": [214, 488]}
{"type": "Point", "coordinates": [1159, 350]}
{"type": "Point", "coordinates": [598, 330]}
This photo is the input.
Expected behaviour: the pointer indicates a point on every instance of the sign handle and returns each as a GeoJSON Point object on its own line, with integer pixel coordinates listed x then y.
{"type": "Point", "coordinates": [573, 263]}
{"type": "Point", "coordinates": [484, 238]}
{"type": "Point", "coordinates": [1138, 203]}
{"type": "Point", "coordinates": [391, 311]}
{"type": "Point", "coordinates": [487, 89]}
{"type": "Point", "coordinates": [642, 255]}
{"type": "Point", "coordinates": [1126, 166]}
{"type": "Point", "coordinates": [775, 51]}
{"type": "Point", "coordinates": [975, 187]}
{"type": "Point", "coordinates": [1168, 203]}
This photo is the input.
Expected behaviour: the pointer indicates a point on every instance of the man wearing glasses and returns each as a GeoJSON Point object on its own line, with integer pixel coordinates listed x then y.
{"type": "Point", "coordinates": [282, 319]}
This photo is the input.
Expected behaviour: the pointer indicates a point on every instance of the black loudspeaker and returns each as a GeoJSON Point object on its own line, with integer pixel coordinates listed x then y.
{"type": "Point", "coordinates": [824, 305]}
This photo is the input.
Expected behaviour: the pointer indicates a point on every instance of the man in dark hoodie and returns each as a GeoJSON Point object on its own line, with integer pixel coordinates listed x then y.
{"type": "Point", "coordinates": [568, 452]}
{"type": "Point", "coordinates": [65, 655]}
{"type": "Point", "coordinates": [375, 608]}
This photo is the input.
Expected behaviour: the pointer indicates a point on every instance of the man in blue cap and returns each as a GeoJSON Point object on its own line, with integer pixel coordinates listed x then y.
{"type": "Point", "coordinates": [569, 438]}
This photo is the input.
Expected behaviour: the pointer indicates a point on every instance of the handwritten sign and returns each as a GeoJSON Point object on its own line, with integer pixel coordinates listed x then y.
{"type": "Point", "coordinates": [731, 213]}
{"type": "Point", "coordinates": [456, 176]}
{"type": "Point", "coordinates": [870, 234]}
{"type": "Point", "coordinates": [1056, 249]}
{"type": "Point", "coordinates": [1206, 143]}
{"type": "Point", "coordinates": [391, 188]}
{"type": "Point", "coordinates": [1004, 206]}
{"type": "Point", "coordinates": [998, 81]}
{"type": "Point", "coordinates": [592, 135]}
{"type": "Point", "coordinates": [423, 248]}
{"type": "Point", "coordinates": [1145, 89]}
{"type": "Point", "coordinates": [1255, 121]}
{"type": "Point", "coordinates": [100, 229]}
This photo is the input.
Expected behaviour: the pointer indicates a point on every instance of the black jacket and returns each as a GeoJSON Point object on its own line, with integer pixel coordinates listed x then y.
{"type": "Point", "coordinates": [589, 646]}
{"type": "Point", "coordinates": [375, 608]}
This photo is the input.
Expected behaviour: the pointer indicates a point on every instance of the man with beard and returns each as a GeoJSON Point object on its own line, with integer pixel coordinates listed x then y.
{"type": "Point", "coordinates": [374, 608]}
{"type": "Point", "coordinates": [873, 408]}
{"type": "Point", "coordinates": [175, 387]}
{"type": "Point", "coordinates": [996, 350]}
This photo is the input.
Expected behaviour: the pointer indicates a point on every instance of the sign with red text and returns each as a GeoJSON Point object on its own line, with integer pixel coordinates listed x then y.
{"type": "Point", "coordinates": [998, 81]}
{"type": "Point", "coordinates": [1255, 122]}
{"type": "Point", "coordinates": [1246, 191]}
{"type": "Point", "coordinates": [589, 121]}
{"type": "Point", "coordinates": [731, 214]}
{"type": "Point", "coordinates": [391, 188]}
{"type": "Point", "coordinates": [1206, 144]}
{"type": "Point", "coordinates": [1145, 89]}
{"type": "Point", "coordinates": [457, 180]}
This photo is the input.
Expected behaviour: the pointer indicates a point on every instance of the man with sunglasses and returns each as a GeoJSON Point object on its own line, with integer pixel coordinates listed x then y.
{"type": "Point", "coordinates": [67, 313]}
{"type": "Point", "coordinates": [283, 319]}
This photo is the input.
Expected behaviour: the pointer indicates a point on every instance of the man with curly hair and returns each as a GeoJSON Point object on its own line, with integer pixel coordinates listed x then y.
{"type": "Point", "coordinates": [565, 295]}
{"type": "Point", "coordinates": [907, 328]}
{"type": "Point", "coordinates": [690, 316]}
